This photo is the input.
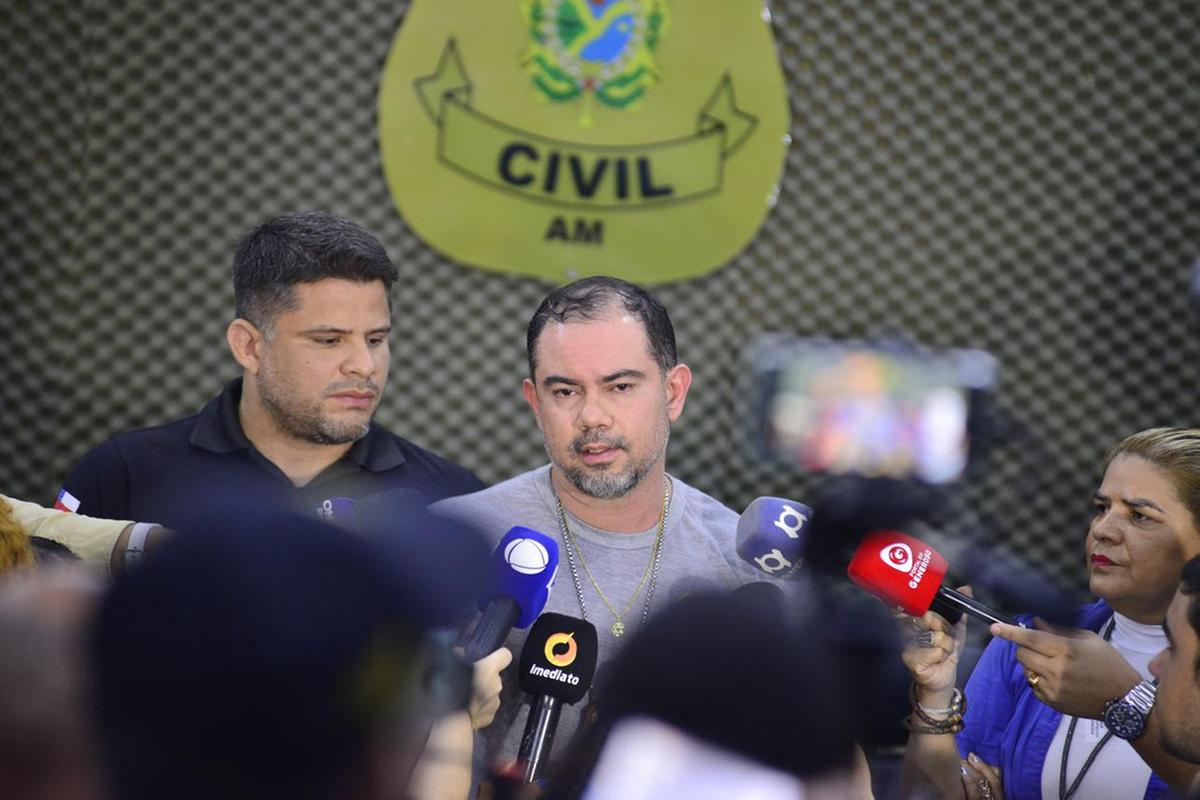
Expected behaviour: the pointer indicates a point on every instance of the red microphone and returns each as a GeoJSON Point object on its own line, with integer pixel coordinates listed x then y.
{"type": "Point", "coordinates": [907, 574]}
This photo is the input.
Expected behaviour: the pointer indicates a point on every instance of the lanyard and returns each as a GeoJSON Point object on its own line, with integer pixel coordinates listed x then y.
{"type": "Point", "coordinates": [1065, 793]}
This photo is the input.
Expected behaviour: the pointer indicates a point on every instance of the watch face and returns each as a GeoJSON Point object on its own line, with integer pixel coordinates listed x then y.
{"type": "Point", "coordinates": [1125, 721]}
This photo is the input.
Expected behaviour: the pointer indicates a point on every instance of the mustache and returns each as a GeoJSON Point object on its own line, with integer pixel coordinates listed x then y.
{"type": "Point", "coordinates": [352, 386]}
{"type": "Point", "coordinates": [584, 439]}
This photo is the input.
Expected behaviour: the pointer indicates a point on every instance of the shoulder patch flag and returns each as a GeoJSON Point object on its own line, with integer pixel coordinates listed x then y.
{"type": "Point", "coordinates": [66, 502]}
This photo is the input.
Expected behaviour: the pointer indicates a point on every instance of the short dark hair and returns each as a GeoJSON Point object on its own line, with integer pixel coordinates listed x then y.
{"type": "Point", "coordinates": [304, 247]}
{"type": "Point", "coordinates": [590, 298]}
{"type": "Point", "coordinates": [238, 693]}
{"type": "Point", "coordinates": [1190, 586]}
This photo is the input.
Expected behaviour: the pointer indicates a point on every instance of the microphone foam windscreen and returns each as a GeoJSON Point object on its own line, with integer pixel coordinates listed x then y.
{"type": "Point", "coordinates": [772, 533]}
{"type": "Point", "coordinates": [524, 566]}
{"type": "Point", "coordinates": [559, 658]}
{"type": "Point", "coordinates": [902, 571]}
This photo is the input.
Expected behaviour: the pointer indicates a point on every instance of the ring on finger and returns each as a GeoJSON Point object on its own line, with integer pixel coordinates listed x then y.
{"type": "Point", "coordinates": [985, 789]}
{"type": "Point", "coordinates": [923, 639]}
{"type": "Point", "coordinates": [1033, 679]}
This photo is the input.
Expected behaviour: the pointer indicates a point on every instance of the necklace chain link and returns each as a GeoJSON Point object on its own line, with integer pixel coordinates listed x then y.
{"type": "Point", "coordinates": [651, 572]}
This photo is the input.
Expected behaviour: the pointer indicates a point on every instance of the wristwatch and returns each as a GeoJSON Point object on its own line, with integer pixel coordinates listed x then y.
{"type": "Point", "coordinates": [1126, 717]}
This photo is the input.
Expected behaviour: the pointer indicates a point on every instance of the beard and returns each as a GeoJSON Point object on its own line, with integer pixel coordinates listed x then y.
{"type": "Point", "coordinates": [601, 481]}
{"type": "Point", "coordinates": [302, 417]}
{"type": "Point", "coordinates": [1182, 744]}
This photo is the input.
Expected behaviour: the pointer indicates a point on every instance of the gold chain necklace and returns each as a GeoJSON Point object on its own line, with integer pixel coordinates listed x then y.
{"type": "Point", "coordinates": [651, 572]}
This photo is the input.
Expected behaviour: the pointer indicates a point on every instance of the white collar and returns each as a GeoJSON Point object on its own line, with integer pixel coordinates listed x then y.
{"type": "Point", "coordinates": [1137, 637]}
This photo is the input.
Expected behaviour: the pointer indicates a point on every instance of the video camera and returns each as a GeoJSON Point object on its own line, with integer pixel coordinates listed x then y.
{"type": "Point", "coordinates": [874, 410]}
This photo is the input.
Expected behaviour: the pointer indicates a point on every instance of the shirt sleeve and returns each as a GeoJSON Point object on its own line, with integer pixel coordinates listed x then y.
{"type": "Point", "coordinates": [89, 538]}
{"type": "Point", "coordinates": [990, 703]}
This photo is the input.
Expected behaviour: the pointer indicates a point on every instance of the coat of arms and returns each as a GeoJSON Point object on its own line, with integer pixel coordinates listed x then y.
{"type": "Point", "coordinates": [601, 49]}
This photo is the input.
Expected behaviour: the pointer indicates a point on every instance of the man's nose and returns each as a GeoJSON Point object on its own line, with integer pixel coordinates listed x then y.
{"type": "Point", "coordinates": [594, 413]}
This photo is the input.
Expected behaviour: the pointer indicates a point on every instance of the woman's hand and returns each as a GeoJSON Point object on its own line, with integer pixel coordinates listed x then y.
{"type": "Point", "coordinates": [981, 781]}
{"type": "Point", "coordinates": [1074, 672]}
{"type": "Point", "coordinates": [931, 652]}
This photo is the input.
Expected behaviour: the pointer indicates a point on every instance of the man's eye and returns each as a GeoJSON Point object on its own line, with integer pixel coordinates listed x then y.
{"type": "Point", "coordinates": [1138, 516]}
{"type": "Point", "coordinates": [622, 387]}
{"type": "Point", "coordinates": [332, 340]}
{"type": "Point", "coordinates": [564, 392]}
{"type": "Point", "coordinates": [377, 341]}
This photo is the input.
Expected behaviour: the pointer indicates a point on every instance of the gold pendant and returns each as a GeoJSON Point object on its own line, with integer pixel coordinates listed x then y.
{"type": "Point", "coordinates": [618, 628]}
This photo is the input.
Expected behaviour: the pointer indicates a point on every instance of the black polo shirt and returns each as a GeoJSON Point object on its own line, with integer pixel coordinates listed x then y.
{"type": "Point", "coordinates": [166, 473]}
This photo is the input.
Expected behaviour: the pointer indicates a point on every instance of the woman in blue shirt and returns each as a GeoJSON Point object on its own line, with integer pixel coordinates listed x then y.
{"type": "Point", "coordinates": [1065, 713]}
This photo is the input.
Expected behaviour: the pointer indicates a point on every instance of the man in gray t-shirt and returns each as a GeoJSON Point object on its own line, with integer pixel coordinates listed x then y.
{"type": "Point", "coordinates": [605, 384]}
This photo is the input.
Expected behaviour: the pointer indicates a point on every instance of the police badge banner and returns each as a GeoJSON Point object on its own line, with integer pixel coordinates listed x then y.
{"type": "Point", "coordinates": [562, 138]}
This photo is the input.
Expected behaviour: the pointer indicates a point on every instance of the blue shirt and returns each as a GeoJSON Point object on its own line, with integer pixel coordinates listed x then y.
{"type": "Point", "coordinates": [1008, 726]}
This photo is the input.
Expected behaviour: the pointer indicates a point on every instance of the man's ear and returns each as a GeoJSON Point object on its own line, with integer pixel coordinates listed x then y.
{"type": "Point", "coordinates": [530, 392]}
{"type": "Point", "coordinates": [245, 342]}
{"type": "Point", "coordinates": [679, 380]}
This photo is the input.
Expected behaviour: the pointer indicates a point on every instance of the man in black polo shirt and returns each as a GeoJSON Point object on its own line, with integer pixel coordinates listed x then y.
{"type": "Point", "coordinates": [311, 335]}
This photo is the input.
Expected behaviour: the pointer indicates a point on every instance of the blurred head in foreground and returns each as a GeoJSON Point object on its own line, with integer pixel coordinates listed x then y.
{"type": "Point", "coordinates": [1178, 670]}
{"type": "Point", "coordinates": [269, 656]}
{"type": "Point", "coordinates": [45, 746]}
{"type": "Point", "coordinates": [718, 693]}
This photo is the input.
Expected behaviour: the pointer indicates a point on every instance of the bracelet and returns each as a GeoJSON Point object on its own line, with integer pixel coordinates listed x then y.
{"type": "Point", "coordinates": [950, 724]}
{"type": "Point", "coordinates": [135, 547]}
{"type": "Point", "coordinates": [914, 727]}
{"type": "Point", "coordinates": [955, 707]}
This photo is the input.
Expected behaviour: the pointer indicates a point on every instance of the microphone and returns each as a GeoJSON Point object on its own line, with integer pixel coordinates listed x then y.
{"type": "Point", "coordinates": [772, 533]}
{"type": "Point", "coordinates": [523, 567]}
{"type": "Point", "coordinates": [375, 509]}
{"type": "Point", "coordinates": [557, 666]}
{"type": "Point", "coordinates": [906, 573]}
{"type": "Point", "coordinates": [336, 509]}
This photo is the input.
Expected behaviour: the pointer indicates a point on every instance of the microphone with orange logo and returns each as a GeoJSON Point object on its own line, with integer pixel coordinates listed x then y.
{"type": "Point", "coordinates": [906, 573]}
{"type": "Point", "coordinates": [557, 666]}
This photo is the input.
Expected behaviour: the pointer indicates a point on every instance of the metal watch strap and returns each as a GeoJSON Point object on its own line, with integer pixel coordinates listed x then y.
{"type": "Point", "coordinates": [1142, 697]}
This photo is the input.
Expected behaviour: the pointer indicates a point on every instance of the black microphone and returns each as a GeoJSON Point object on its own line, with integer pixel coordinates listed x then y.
{"type": "Point", "coordinates": [557, 666]}
{"type": "Point", "coordinates": [523, 566]}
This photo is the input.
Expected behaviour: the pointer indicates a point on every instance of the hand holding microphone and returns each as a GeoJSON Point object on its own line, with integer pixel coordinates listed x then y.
{"type": "Point", "coordinates": [486, 686]}
{"type": "Point", "coordinates": [932, 649]}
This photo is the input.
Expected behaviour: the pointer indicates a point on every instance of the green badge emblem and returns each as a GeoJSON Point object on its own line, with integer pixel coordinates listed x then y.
{"type": "Point", "coordinates": [559, 138]}
{"type": "Point", "coordinates": [602, 49]}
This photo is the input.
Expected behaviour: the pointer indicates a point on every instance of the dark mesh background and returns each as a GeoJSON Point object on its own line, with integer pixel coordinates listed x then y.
{"type": "Point", "coordinates": [1020, 177]}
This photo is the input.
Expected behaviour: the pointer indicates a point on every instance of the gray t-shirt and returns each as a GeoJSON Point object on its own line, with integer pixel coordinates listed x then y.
{"type": "Point", "coordinates": [698, 553]}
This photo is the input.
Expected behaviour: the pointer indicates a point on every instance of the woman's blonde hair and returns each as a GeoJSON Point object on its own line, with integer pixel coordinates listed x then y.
{"type": "Point", "coordinates": [1176, 451]}
{"type": "Point", "coordinates": [15, 550]}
